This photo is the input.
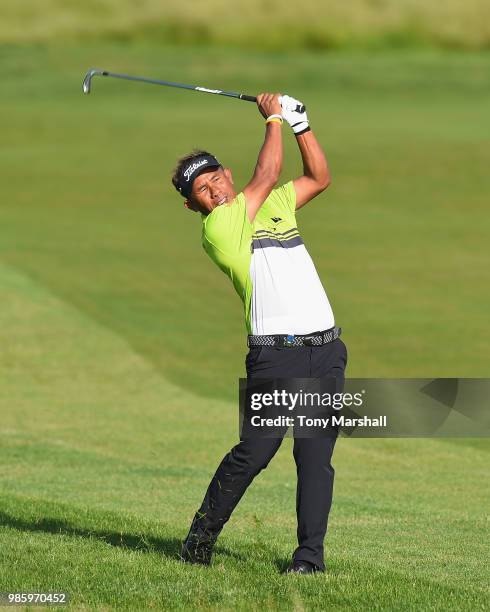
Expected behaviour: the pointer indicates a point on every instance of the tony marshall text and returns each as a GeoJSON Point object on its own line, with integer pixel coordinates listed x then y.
{"type": "Point", "coordinates": [301, 420]}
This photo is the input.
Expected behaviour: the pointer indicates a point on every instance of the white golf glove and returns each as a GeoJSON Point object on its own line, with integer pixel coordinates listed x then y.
{"type": "Point", "coordinates": [291, 113]}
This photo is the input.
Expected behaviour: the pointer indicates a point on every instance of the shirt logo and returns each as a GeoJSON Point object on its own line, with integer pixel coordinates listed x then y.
{"type": "Point", "coordinates": [276, 219]}
{"type": "Point", "coordinates": [192, 168]}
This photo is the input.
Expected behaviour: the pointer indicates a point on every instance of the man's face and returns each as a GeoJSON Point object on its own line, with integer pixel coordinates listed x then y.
{"type": "Point", "coordinates": [212, 188]}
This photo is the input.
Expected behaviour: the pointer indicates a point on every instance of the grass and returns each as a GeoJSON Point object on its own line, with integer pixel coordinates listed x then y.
{"type": "Point", "coordinates": [121, 344]}
{"type": "Point", "coordinates": [400, 239]}
{"type": "Point", "coordinates": [103, 463]}
{"type": "Point", "coordinates": [358, 23]}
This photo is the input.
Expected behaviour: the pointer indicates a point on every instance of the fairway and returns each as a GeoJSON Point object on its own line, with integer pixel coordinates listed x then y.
{"type": "Point", "coordinates": [122, 345]}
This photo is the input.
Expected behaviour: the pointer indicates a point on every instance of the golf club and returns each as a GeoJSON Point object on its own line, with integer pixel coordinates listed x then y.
{"type": "Point", "coordinates": [87, 81]}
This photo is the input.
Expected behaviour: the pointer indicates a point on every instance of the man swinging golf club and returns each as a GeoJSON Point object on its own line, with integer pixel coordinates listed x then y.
{"type": "Point", "coordinates": [252, 236]}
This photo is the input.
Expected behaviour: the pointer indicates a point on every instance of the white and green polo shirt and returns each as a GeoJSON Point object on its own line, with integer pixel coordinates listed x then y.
{"type": "Point", "coordinates": [269, 265]}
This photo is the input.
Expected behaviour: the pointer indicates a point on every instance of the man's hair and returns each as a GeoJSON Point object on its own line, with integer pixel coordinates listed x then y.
{"type": "Point", "coordinates": [183, 161]}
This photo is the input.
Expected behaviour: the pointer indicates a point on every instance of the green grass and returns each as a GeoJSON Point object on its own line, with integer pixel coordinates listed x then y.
{"type": "Point", "coordinates": [103, 463]}
{"type": "Point", "coordinates": [121, 345]}
{"type": "Point", "coordinates": [400, 238]}
{"type": "Point", "coordinates": [313, 24]}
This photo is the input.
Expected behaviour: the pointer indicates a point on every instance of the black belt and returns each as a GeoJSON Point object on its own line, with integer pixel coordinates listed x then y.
{"type": "Point", "coordinates": [290, 340]}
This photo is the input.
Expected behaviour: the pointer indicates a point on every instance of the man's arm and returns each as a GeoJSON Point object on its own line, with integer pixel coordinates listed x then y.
{"type": "Point", "coordinates": [269, 162]}
{"type": "Point", "coordinates": [316, 176]}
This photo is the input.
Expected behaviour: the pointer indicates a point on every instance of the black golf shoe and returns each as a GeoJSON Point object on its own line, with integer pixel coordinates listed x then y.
{"type": "Point", "coordinates": [304, 567]}
{"type": "Point", "coordinates": [197, 547]}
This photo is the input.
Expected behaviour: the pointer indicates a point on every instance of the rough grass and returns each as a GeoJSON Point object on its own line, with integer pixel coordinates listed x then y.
{"type": "Point", "coordinates": [274, 24]}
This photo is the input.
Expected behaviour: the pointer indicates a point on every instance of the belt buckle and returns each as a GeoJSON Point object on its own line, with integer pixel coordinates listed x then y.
{"type": "Point", "coordinates": [289, 340]}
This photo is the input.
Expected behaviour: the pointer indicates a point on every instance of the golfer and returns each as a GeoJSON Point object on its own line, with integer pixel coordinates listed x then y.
{"type": "Point", "coordinates": [252, 237]}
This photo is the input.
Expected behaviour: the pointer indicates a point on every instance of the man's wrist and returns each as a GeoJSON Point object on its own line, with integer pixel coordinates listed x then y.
{"type": "Point", "coordinates": [275, 118]}
{"type": "Point", "coordinates": [301, 128]}
{"type": "Point", "coordinates": [273, 126]}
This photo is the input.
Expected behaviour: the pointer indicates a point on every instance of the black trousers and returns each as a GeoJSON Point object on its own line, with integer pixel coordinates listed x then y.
{"type": "Point", "coordinates": [312, 455]}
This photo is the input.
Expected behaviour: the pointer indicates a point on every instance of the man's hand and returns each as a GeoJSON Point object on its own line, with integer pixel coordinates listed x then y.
{"type": "Point", "coordinates": [269, 104]}
{"type": "Point", "coordinates": [296, 119]}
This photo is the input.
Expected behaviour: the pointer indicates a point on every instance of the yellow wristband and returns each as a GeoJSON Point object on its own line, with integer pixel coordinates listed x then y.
{"type": "Point", "coordinates": [273, 120]}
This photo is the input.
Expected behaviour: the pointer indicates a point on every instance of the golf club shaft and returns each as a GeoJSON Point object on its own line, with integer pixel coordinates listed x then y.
{"type": "Point", "coordinates": [128, 77]}
{"type": "Point", "coordinates": [230, 94]}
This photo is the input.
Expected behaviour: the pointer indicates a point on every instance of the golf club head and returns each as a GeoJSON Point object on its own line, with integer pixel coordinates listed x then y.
{"type": "Point", "coordinates": [88, 79]}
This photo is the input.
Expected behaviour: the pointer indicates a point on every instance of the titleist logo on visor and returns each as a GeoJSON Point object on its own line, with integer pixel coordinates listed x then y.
{"type": "Point", "coordinates": [192, 168]}
{"type": "Point", "coordinates": [189, 173]}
